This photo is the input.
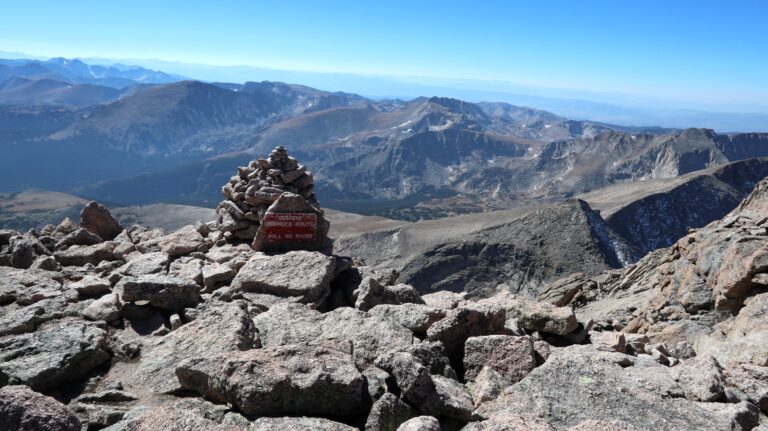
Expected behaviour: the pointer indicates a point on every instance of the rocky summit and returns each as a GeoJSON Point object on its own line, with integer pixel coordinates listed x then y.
{"type": "Point", "coordinates": [226, 325]}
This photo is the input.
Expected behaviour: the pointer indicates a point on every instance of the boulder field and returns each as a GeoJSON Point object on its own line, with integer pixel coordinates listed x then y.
{"type": "Point", "coordinates": [127, 328]}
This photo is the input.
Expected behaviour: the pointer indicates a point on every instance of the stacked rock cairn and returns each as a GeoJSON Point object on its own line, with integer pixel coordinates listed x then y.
{"type": "Point", "coordinates": [256, 187]}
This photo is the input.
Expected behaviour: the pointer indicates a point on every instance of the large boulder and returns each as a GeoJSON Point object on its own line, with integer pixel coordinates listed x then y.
{"type": "Point", "coordinates": [302, 274]}
{"type": "Point", "coordinates": [58, 352]}
{"type": "Point", "coordinates": [535, 316]}
{"type": "Point", "coordinates": [301, 380]}
{"type": "Point", "coordinates": [97, 219]}
{"type": "Point", "coordinates": [512, 357]}
{"type": "Point", "coordinates": [352, 331]}
{"type": "Point", "coordinates": [701, 378]}
{"type": "Point", "coordinates": [580, 383]}
{"type": "Point", "coordinates": [161, 291]}
{"type": "Point", "coordinates": [79, 255]}
{"type": "Point", "coordinates": [147, 263]}
{"type": "Point", "coordinates": [21, 409]}
{"type": "Point", "coordinates": [416, 317]}
{"type": "Point", "coordinates": [216, 330]}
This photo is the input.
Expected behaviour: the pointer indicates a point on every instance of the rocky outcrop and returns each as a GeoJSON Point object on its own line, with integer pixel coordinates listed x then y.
{"type": "Point", "coordinates": [278, 380]}
{"type": "Point", "coordinates": [705, 290]}
{"type": "Point", "coordinates": [97, 220]}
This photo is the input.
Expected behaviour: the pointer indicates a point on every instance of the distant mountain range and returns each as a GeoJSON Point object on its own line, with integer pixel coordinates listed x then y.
{"type": "Point", "coordinates": [62, 127]}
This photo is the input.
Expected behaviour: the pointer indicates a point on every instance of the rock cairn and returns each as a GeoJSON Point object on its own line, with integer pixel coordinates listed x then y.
{"type": "Point", "coordinates": [256, 190]}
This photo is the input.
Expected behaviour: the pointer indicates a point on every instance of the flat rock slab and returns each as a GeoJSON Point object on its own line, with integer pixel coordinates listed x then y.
{"type": "Point", "coordinates": [346, 329]}
{"type": "Point", "coordinates": [298, 424]}
{"type": "Point", "coordinates": [58, 352]}
{"type": "Point", "coordinates": [170, 293]}
{"type": "Point", "coordinates": [302, 274]}
{"type": "Point", "coordinates": [296, 379]}
{"type": "Point", "coordinates": [27, 286]}
{"type": "Point", "coordinates": [217, 330]}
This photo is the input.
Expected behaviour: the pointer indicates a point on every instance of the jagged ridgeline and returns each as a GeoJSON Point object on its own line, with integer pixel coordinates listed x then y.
{"type": "Point", "coordinates": [104, 326]}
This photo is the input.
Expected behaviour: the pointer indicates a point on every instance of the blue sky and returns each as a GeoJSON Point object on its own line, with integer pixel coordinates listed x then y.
{"type": "Point", "coordinates": [703, 51]}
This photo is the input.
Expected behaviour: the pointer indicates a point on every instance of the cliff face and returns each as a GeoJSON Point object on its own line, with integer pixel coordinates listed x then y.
{"type": "Point", "coordinates": [708, 289]}
{"type": "Point", "coordinates": [660, 219]}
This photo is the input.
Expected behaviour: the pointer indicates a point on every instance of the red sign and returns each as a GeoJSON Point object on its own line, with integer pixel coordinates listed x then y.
{"type": "Point", "coordinates": [289, 227]}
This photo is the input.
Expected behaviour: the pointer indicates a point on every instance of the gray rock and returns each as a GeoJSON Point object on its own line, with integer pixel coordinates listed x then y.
{"type": "Point", "coordinates": [512, 357]}
{"type": "Point", "coordinates": [168, 418]}
{"type": "Point", "coordinates": [106, 308]}
{"type": "Point", "coordinates": [297, 424]}
{"type": "Point", "coordinates": [161, 291]}
{"type": "Point", "coordinates": [466, 321]}
{"type": "Point", "coordinates": [46, 263]}
{"type": "Point", "coordinates": [416, 317]}
{"type": "Point", "coordinates": [216, 330]}
{"type": "Point", "coordinates": [24, 410]}
{"type": "Point", "coordinates": [372, 293]}
{"type": "Point", "coordinates": [217, 275]}
{"type": "Point", "coordinates": [742, 338]}
{"type": "Point", "coordinates": [25, 249]}
{"type": "Point", "coordinates": [300, 380]}
{"type": "Point", "coordinates": [28, 286]}
{"type": "Point", "coordinates": [302, 274]}
{"type": "Point", "coordinates": [98, 416]}
{"type": "Point", "coordinates": [97, 220]}
{"type": "Point", "coordinates": [28, 318]}
{"type": "Point", "coordinates": [346, 329]}
{"type": "Point", "coordinates": [388, 412]}
{"type": "Point", "coordinates": [414, 383]}
{"type": "Point", "coordinates": [91, 285]}
{"type": "Point", "coordinates": [444, 299]}
{"type": "Point", "coordinates": [455, 400]}
{"type": "Point", "coordinates": [535, 316]}
{"type": "Point", "coordinates": [506, 421]}
{"type": "Point", "coordinates": [580, 383]}
{"type": "Point", "coordinates": [486, 386]}
{"type": "Point", "coordinates": [740, 416]}
{"type": "Point", "coordinates": [183, 241]}
{"type": "Point", "coordinates": [701, 378]}
{"type": "Point", "coordinates": [376, 381]}
{"type": "Point", "coordinates": [147, 263]}
{"type": "Point", "coordinates": [79, 237]}
{"type": "Point", "coordinates": [420, 423]}
{"type": "Point", "coordinates": [56, 353]}
{"type": "Point", "coordinates": [433, 356]}
{"type": "Point", "coordinates": [752, 380]}
{"type": "Point", "coordinates": [79, 255]}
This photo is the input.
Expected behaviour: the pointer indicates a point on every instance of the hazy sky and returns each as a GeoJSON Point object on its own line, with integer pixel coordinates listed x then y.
{"type": "Point", "coordinates": [703, 51]}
